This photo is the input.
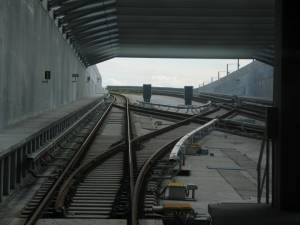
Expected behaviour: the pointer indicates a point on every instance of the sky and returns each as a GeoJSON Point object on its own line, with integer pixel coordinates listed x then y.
{"type": "Point", "coordinates": [164, 72]}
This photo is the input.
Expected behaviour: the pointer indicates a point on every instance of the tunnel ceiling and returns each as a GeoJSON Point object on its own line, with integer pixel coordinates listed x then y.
{"type": "Point", "coordinates": [100, 30]}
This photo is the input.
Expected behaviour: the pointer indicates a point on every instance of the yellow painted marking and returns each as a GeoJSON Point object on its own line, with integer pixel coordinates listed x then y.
{"type": "Point", "coordinates": [177, 205]}
{"type": "Point", "coordinates": [176, 184]}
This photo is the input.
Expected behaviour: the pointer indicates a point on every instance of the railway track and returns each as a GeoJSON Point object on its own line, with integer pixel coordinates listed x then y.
{"type": "Point", "coordinates": [104, 168]}
{"type": "Point", "coordinates": [118, 208]}
{"type": "Point", "coordinates": [105, 130]}
{"type": "Point", "coordinates": [95, 194]}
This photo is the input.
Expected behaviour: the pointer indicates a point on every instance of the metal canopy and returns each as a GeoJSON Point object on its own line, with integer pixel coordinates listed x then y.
{"type": "Point", "coordinates": [103, 29]}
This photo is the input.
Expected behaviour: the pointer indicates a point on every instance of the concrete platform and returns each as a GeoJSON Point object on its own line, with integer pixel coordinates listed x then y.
{"type": "Point", "coordinates": [226, 174]}
{"type": "Point", "coordinates": [249, 214]}
{"type": "Point", "coordinates": [19, 133]}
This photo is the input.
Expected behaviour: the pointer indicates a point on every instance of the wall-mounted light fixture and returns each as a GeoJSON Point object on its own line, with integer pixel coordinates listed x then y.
{"type": "Point", "coordinates": [47, 76]}
{"type": "Point", "coordinates": [75, 77]}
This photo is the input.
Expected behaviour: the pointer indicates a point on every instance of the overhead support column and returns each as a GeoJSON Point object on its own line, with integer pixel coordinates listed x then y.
{"type": "Point", "coordinates": [147, 92]}
{"type": "Point", "coordinates": [286, 175]}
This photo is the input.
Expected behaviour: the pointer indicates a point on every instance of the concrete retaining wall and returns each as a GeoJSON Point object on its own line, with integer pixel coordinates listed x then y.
{"type": "Point", "coordinates": [31, 43]}
{"type": "Point", "coordinates": [253, 80]}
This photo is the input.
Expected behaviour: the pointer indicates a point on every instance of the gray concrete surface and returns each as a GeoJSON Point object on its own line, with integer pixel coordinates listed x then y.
{"type": "Point", "coordinates": [253, 80]}
{"type": "Point", "coordinates": [150, 222]}
{"type": "Point", "coordinates": [31, 43]}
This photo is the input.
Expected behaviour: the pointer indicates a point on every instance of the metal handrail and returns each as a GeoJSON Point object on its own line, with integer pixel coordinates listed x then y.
{"type": "Point", "coordinates": [261, 181]}
{"type": "Point", "coordinates": [178, 151]}
{"type": "Point", "coordinates": [131, 153]}
{"type": "Point", "coordinates": [140, 181]}
{"type": "Point", "coordinates": [258, 168]}
{"type": "Point", "coordinates": [176, 107]}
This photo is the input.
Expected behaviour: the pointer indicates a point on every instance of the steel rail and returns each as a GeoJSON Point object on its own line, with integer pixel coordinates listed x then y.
{"type": "Point", "coordinates": [222, 98]}
{"type": "Point", "coordinates": [186, 139]}
{"type": "Point", "coordinates": [140, 182]}
{"type": "Point", "coordinates": [131, 155]}
{"type": "Point", "coordinates": [175, 115]}
{"type": "Point", "coordinates": [201, 118]}
{"type": "Point", "coordinates": [70, 165]}
{"type": "Point", "coordinates": [256, 111]}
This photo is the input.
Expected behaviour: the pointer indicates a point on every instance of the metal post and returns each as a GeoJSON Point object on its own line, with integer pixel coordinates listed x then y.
{"type": "Point", "coordinates": [238, 64]}
{"type": "Point", "coordinates": [219, 75]}
{"type": "Point", "coordinates": [1, 179]}
{"type": "Point", "coordinates": [227, 70]}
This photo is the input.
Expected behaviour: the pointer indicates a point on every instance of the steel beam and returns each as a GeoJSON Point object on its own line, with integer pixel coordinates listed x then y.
{"type": "Point", "coordinates": [75, 6]}
{"type": "Point", "coordinates": [1, 179]}
{"type": "Point", "coordinates": [6, 172]}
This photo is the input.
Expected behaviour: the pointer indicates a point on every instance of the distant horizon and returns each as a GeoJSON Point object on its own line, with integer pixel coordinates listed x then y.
{"type": "Point", "coordinates": [158, 72]}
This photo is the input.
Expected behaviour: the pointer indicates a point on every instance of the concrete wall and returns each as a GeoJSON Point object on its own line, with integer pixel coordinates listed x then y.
{"type": "Point", "coordinates": [31, 43]}
{"type": "Point", "coordinates": [253, 80]}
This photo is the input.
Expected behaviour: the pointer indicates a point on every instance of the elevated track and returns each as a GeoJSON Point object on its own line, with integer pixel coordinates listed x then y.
{"type": "Point", "coordinates": [101, 171]}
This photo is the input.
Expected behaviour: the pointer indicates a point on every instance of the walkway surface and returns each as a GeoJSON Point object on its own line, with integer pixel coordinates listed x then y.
{"type": "Point", "coordinates": [227, 173]}
{"type": "Point", "coordinates": [19, 133]}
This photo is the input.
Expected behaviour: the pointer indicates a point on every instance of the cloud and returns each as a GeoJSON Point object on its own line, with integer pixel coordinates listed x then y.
{"type": "Point", "coordinates": [163, 72]}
